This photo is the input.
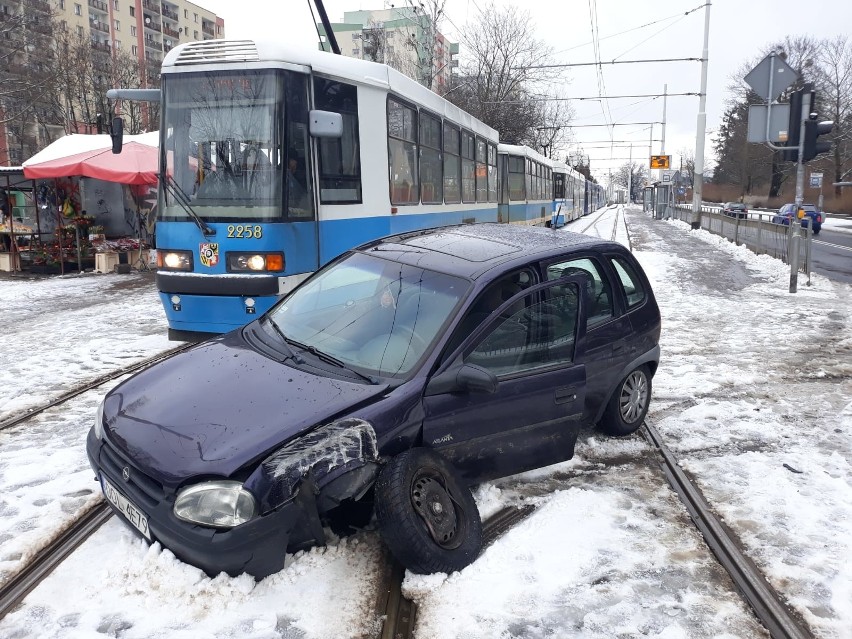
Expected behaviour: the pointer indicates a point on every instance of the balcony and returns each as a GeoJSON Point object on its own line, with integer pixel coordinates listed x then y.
{"type": "Point", "coordinates": [153, 7]}
{"type": "Point", "coordinates": [103, 47]}
{"type": "Point", "coordinates": [168, 31]}
{"type": "Point", "coordinates": [207, 28]}
{"type": "Point", "coordinates": [103, 27]}
{"type": "Point", "coordinates": [168, 13]}
{"type": "Point", "coordinates": [99, 6]}
{"type": "Point", "coordinates": [152, 24]}
{"type": "Point", "coordinates": [41, 6]}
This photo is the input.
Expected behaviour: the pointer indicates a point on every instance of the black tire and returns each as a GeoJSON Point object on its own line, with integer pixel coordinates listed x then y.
{"type": "Point", "coordinates": [426, 514]}
{"type": "Point", "coordinates": [629, 404]}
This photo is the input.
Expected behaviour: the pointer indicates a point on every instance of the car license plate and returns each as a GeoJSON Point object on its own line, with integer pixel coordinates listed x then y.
{"type": "Point", "coordinates": [126, 508]}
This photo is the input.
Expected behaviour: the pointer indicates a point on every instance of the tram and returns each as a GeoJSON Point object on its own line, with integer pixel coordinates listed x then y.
{"type": "Point", "coordinates": [263, 176]}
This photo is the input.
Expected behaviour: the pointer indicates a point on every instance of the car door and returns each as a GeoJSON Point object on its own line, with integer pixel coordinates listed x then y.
{"type": "Point", "coordinates": [607, 329]}
{"type": "Point", "coordinates": [531, 419]}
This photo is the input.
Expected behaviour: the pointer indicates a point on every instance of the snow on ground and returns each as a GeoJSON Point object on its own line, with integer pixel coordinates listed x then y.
{"type": "Point", "coordinates": [753, 393]}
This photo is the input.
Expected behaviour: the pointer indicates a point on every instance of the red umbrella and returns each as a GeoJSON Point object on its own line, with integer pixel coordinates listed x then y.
{"type": "Point", "coordinates": [92, 156]}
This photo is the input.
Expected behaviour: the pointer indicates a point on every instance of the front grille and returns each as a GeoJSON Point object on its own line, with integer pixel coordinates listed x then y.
{"type": "Point", "coordinates": [211, 51]}
{"type": "Point", "coordinates": [140, 488]}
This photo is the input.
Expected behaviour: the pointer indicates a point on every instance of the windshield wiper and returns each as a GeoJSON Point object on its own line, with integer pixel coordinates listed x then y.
{"type": "Point", "coordinates": [330, 359]}
{"type": "Point", "coordinates": [288, 352]}
{"type": "Point", "coordinates": [182, 198]}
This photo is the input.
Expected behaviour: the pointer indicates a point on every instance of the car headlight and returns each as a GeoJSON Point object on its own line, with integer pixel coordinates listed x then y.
{"type": "Point", "coordinates": [219, 504]}
{"type": "Point", "coordinates": [99, 420]}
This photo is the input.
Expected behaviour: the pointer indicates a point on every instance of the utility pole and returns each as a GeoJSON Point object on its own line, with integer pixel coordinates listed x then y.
{"type": "Point", "coordinates": [630, 178]}
{"type": "Point", "coordinates": [800, 168]}
{"type": "Point", "coordinates": [701, 125]}
{"type": "Point", "coordinates": [663, 136]}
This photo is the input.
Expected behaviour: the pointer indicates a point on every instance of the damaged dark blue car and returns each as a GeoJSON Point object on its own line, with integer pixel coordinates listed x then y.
{"type": "Point", "coordinates": [388, 383]}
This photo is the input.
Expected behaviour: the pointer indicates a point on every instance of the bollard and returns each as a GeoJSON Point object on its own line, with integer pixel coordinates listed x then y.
{"type": "Point", "coordinates": [794, 261]}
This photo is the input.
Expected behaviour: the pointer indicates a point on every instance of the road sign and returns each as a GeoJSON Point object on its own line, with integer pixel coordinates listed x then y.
{"type": "Point", "coordinates": [816, 180]}
{"type": "Point", "coordinates": [771, 70]}
{"type": "Point", "coordinates": [667, 176]}
{"type": "Point", "coordinates": [661, 161]}
{"type": "Point", "coordinates": [779, 123]}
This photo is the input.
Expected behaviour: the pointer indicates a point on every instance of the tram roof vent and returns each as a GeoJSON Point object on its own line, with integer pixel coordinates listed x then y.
{"type": "Point", "coordinates": [218, 51]}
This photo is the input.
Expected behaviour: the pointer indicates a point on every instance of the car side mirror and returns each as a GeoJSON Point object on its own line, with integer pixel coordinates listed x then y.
{"type": "Point", "coordinates": [326, 124]}
{"type": "Point", "coordinates": [464, 378]}
{"type": "Point", "coordinates": [117, 134]}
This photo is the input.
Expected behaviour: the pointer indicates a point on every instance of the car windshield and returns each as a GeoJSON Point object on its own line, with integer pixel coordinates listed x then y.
{"type": "Point", "coordinates": [375, 315]}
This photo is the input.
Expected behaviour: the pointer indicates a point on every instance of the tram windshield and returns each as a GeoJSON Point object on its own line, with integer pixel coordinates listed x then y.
{"type": "Point", "coordinates": [235, 146]}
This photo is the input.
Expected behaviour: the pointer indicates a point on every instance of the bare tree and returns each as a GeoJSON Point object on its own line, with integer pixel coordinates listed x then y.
{"type": "Point", "coordinates": [833, 78]}
{"type": "Point", "coordinates": [502, 68]}
{"type": "Point", "coordinates": [630, 174]}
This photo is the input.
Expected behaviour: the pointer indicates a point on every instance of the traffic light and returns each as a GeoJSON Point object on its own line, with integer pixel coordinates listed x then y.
{"type": "Point", "coordinates": [794, 125]}
{"type": "Point", "coordinates": [813, 130]}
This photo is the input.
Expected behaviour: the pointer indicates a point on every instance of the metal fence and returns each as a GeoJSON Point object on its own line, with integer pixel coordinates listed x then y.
{"type": "Point", "coordinates": [757, 232]}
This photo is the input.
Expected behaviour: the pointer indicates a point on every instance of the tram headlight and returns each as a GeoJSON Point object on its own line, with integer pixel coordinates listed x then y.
{"type": "Point", "coordinates": [255, 262]}
{"type": "Point", "coordinates": [174, 260]}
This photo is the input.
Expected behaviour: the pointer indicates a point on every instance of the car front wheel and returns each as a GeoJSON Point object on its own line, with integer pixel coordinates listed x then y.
{"type": "Point", "coordinates": [629, 404]}
{"type": "Point", "coordinates": [426, 514]}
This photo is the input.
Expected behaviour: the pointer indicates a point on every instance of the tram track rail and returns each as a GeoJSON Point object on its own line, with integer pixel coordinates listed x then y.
{"type": "Point", "coordinates": [87, 386]}
{"type": "Point", "coordinates": [747, 577]}
{"type": "Point", "coordinates": [45, 561]}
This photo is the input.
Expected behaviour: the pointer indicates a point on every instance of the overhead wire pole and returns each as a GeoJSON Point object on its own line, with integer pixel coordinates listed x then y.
{"type": "Point", "coordinates": [701, 127]}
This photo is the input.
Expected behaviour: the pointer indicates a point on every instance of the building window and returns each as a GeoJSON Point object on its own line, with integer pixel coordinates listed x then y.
{"type": "Point", "coordinates": [402, 144]}
{"type": "Point", "coordinates": [195, 34]}
{"type": "Point", "coordinates": [132, 12]}
{"type": "Point", "coordinates": [80, 30]}
{"type": "Point", "coordinates": [78, 9]}
{"type": "Point", "coordinates": [117, 45]}
{"type": "Point", "coordinates": [116, 25]}
{"type": "Point", "coordinates": [134, 50]}
{"type": "Point", "coordinates": [62, 4]}
{"type": "Point", "coordinates": [115, 5]}
{"type": "Point", "coordinates": [133, 30]}
{"type": "Point", "coordinates": [185, 13]}
{"type": "Point", "coordinates": [195, 16]}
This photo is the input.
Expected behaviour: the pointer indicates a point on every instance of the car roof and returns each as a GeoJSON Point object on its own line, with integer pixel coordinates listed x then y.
{"type": "Point", "coordinates": [470, 250]}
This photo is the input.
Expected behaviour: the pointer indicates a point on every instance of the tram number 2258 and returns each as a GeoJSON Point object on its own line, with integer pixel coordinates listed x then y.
{"type": "Point", "coordinates": [245, 231]}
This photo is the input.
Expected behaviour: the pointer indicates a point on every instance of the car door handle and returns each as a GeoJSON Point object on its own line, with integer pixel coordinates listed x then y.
{"type": "Point", "coordinates": [566, 394]}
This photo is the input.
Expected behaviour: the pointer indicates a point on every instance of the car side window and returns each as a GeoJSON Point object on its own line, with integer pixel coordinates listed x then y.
{"type": "Point", "coordinates": [630, 282]}
{"type": "Point", "coordinates": [598, 293]}
{"type": "Point", "coordinates": [536, 332]}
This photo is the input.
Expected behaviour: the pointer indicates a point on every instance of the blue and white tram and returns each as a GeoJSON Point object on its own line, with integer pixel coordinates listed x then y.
{"type": "Point", "coordinates": [567, 205]}
{"type": "Point", "coordinates": [276, 159]}
{"type": "Point", "coordinates": [526, 185]}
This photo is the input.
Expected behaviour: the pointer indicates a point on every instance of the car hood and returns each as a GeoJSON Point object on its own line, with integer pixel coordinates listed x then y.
{"type": "Point", "coordinates": [217, 407]}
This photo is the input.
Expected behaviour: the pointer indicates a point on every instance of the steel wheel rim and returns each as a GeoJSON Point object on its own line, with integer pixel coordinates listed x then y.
{"type": "Point", "coordinates": [435, 505]}
{"type": "Point", "coordinates": [634, 396]}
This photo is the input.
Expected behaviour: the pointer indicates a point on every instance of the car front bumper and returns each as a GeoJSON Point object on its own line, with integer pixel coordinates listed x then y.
{"type": "Point", "coordinates": [256, 547]}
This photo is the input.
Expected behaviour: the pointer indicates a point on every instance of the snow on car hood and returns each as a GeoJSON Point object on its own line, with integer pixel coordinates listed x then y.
{"type": "Point", "coordinates": [219, 406]}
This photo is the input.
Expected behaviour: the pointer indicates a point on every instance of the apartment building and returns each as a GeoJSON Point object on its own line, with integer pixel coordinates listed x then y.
{"type": "Point", "coordinates": [144, 29]}
{"type": "Point", "coordinates": [401, 37]}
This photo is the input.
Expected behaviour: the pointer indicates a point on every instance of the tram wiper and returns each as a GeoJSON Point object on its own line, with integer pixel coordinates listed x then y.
{"type": "Point", "coordinates": [313, 350]}
{"type": "Point", "coordinates": [182, 198]}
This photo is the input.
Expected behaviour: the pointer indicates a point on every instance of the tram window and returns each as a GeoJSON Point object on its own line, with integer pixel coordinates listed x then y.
{"type": "Point", "coordinates": [402, 144]}
{"type": "Point", "coordinates": [339, 158]}
{"type": "Point", "coordinates": [431, 180]}
{"type": "Point", "coordinates": [492, 173]}
{"type": "Point", "coordinates": [452, 165]}
{"type": "Point", "coordinates": [558, 186]}
{"type": "Point", "coordinates": [481, 171]}
{"type": "Point", "coordinates": [529, 181]}
{"type": "Point", "coordinates": [468, 166]}
{"type": "Point", "coordinates": [516, 179]}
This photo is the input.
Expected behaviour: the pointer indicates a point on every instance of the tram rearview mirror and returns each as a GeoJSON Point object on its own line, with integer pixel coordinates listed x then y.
{"type": "Point", "coordinates": [326, 124]}
{"type": "Point", "coordinates": [117, 134]}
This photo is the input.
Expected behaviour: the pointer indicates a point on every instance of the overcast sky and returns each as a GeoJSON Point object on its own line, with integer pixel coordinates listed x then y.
{"type": "Point", "coordinates": [739, 31]}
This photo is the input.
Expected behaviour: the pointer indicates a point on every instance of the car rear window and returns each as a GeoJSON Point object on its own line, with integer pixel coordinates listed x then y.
{"type": "Point", "coordinates": [630, 282]}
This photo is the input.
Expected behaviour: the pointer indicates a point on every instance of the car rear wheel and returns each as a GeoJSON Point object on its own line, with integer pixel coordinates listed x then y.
{"type": "Point", "coordinates": [426, 514]}
{"type": "Point", "coordinates": [629, 404]}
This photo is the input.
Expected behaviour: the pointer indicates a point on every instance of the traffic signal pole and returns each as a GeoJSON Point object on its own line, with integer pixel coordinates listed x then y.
{"type": "Point", "coordinates": [800, 167]}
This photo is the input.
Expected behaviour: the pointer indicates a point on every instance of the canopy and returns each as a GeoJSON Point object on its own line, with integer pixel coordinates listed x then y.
{"type": "Point", "coordinates": [92, 156]}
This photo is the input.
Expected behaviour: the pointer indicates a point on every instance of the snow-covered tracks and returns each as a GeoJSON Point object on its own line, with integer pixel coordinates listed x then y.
{"type": "Point", "coordinates": [749, 580]}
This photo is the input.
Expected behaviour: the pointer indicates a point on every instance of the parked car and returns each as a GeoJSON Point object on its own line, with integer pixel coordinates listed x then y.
{"type": "Point", "coordinates": [402, 373]}
{"type": "Point", "coordinates": [810, 216]}
{"type": "Point", "coordinates": [735, 209]}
